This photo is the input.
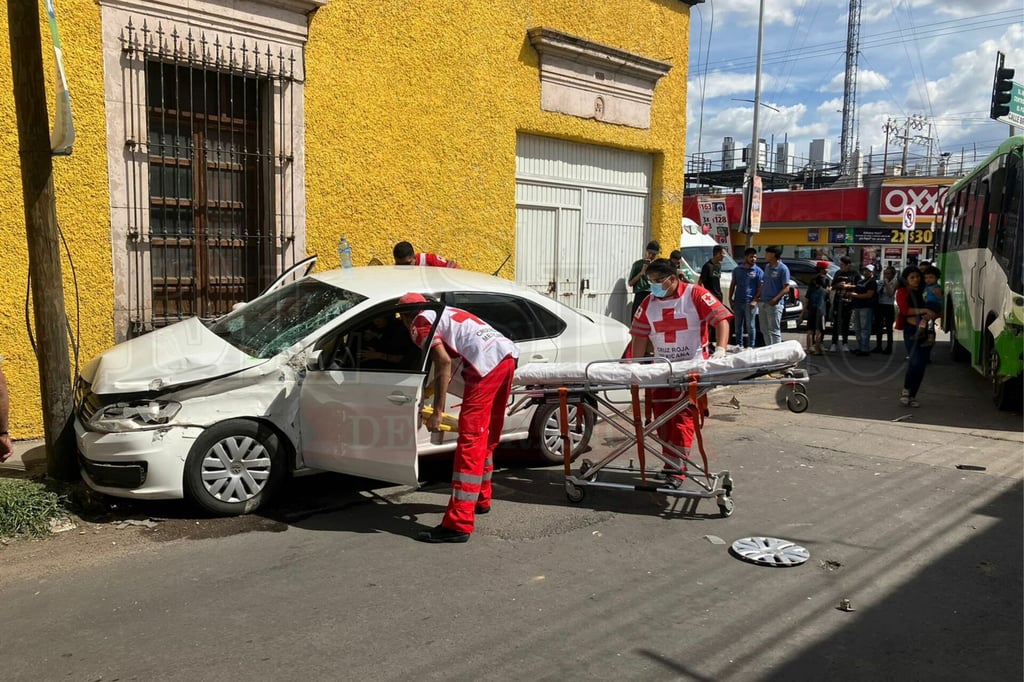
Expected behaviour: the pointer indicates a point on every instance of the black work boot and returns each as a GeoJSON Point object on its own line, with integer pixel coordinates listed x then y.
{"type": "Point", "coordinates": [442, 534]}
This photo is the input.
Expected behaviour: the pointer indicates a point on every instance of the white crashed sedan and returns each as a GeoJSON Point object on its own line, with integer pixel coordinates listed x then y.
{"type": "Point", "coordinates": [317, 374]}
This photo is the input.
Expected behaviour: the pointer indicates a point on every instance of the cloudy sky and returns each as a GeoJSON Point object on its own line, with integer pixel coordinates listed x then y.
{"type": "Point", "coordinates": [917, 58]}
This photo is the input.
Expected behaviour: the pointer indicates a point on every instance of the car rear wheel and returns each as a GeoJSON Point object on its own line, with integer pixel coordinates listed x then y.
{"type": "Point", "coordinates": [234, 467]}
{"type": "Point", "coordinates": [546, 435]}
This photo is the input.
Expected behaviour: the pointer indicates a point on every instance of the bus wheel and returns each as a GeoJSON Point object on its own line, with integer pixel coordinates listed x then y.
{"type": "Point", "coordinates": [1006, 393]}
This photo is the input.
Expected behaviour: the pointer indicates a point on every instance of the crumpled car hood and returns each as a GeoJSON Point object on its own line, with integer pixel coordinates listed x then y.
{"type": "Point", "coordinates": [184, 353]}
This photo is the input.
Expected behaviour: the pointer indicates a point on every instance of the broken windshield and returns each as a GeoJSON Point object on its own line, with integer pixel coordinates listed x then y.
{"type": "Point", "coordinates": [271, 323]}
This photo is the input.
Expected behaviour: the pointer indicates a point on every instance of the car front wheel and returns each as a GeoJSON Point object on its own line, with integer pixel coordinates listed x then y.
{"type": "Point", "coordinates": [547, 436]}
{"type": "Point", "coordinates": [234, 467]}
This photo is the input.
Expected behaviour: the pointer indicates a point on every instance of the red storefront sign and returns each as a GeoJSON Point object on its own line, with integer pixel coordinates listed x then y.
{"type": "Point", "coordinates": [928, 199]}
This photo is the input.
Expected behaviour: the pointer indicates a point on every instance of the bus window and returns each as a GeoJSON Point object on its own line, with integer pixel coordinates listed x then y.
{"type": "Point", "coordinates": [1006, 242]}
{"type": "Point", "coordinates": [951, 223]}
{"type": "Point", "coordinates": [970, 221]}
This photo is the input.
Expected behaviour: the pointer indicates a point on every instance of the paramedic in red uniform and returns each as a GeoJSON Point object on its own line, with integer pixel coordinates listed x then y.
{"type": "Point", "coordinates": [405, 255]}
{"type": "Point", "coordinates": [488, 361]}
{"type": "Point", "coordinates": [674, 320]}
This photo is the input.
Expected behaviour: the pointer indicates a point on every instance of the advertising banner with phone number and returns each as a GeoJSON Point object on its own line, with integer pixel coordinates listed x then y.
{"type": "Point", "coordinates": [876, 236]}
{"type": "Point", "coordinates": [714, 218]}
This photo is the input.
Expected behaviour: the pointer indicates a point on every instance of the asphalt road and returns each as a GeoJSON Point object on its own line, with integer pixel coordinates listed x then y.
{"type": "Point", "coordinates": [625, 585]}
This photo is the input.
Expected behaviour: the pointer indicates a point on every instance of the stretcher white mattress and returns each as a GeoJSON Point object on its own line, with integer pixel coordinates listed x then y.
{"type": "Point", "coordinates": [733, 366]}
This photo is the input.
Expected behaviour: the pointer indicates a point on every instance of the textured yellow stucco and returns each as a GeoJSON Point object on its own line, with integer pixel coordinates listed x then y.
{"type": "Point", "coordinates": [81, 193]}
{"type": "Point", "coordinates": [412, 113]}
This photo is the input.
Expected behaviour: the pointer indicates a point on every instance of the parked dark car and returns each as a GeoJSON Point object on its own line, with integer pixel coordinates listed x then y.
{"type": "Point", "coordinates": [802, 271]}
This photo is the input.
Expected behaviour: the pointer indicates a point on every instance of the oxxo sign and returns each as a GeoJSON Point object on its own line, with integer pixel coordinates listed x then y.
{"type": "Point", "coordinates": [926, 200]}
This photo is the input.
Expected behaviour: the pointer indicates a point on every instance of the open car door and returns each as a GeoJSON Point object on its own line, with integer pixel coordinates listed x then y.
{"type": "Point", "coordinates": [294, 272]}
{"type": "Point", "coordinates": [361, 421]}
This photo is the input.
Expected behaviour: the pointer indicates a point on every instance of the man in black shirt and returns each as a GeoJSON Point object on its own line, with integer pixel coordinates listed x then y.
{"type": "Point", "coordinates": [711, 273]}
{"type": "Point", "coordinates": [864, 295]}
{"type": "Point", "coordinates": [843, 284]}
{"type": "Point", "coordinates": [711, 279]}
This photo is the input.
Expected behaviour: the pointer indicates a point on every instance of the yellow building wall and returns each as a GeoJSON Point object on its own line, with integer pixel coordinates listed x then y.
{"type": "Point", "coordinates": [412, 112]}
{"type": "Point", "coordinates": [81, 191]}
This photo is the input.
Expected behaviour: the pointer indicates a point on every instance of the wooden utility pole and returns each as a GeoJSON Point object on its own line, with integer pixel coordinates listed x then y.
{"type": "Point", "coordinates": [43, 240]}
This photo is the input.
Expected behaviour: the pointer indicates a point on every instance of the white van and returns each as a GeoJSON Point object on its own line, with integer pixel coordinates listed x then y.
{"type": "Point", "coordinates": [696, 247]}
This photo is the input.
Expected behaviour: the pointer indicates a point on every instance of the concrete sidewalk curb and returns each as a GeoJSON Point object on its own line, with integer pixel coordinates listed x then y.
{"type": "Point", "coordinates": [29, 459]}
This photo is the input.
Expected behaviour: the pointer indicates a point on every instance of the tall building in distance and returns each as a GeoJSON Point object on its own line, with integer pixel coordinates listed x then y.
{"type": "Point", "coordinates": [820, 153]}
{"type": "Point", "coordinates": [762, 154]}
{"type": "Point", "coordinates": [728, 153]}
{"type": "Point", "coordinates": [784, 157]}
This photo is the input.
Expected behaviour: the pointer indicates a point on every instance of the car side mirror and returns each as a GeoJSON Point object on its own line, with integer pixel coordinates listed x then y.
{"type": "Point", "coordinates": [314, 360]}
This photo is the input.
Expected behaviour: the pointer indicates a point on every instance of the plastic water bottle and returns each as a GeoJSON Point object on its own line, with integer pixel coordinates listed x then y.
{"type": "Point", "coordinates": [344, 252]}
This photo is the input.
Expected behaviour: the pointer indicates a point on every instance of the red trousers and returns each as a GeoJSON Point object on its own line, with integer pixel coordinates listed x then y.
{"type": "Point", "coordinates": [678, 430]}
{"type": "Point", "coordinates": [481, 419]}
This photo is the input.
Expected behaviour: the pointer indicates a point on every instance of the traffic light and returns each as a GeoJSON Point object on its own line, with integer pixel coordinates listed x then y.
{"type": "Point", "coordinates": [1001, 86]}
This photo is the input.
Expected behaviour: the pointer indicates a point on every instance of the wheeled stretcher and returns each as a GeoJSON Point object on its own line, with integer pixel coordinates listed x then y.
{"type": "Point", "coordinates": [601, 388]}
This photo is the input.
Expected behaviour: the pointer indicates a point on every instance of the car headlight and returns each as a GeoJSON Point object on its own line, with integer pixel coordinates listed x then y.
{"type": "Point", "coordinates": [134, 416]}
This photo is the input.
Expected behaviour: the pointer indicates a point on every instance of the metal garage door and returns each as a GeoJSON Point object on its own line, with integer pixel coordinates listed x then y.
{"type": "Point", "coordinates": [582, 216]}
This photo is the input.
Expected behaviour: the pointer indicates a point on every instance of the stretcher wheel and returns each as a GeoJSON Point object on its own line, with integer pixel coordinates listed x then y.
{"type": "Point", "coordinates": [797, 402]}
{"type": "Point", "coordinates": [574, 493]}
{"type": "Point", "coordinates": [585, 466]}
{"type": "Point", "coordinates": [726, 506]}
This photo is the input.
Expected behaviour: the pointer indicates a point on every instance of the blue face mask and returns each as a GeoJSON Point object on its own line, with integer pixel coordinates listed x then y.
{"type": "Point", "coordinates": [658, 290]}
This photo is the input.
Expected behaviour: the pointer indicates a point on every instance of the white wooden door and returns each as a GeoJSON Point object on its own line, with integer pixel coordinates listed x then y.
{"type": "Point", "coordinates": [548, 251]}
{"type": "Point", "coordinates": [582, 219]}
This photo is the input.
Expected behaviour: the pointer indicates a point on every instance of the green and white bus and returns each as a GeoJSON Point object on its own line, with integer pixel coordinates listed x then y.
{"type": "Point", "coordinates": [980, 252]}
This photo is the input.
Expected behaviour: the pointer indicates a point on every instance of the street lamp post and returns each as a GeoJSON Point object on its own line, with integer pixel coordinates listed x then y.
{"type": "Point", "coordinates": [755, 154]}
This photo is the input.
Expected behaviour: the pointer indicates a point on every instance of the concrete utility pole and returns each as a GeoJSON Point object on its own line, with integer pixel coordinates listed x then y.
{"type": "Point", "coordinates": [755, 147]}
{"type": "Point", "coordinates": [43, 240]}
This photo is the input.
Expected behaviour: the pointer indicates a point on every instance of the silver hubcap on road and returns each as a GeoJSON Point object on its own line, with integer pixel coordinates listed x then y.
{"type": "Point", "coordinates": [236, 469]}
{"type": "Point", "coordinates": [553, 434]}
{"type": "Point", "coordinates": [770, 551]}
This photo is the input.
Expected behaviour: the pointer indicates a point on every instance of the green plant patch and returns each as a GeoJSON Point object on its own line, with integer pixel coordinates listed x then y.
{"type": "Point", "coordinates": [26, 508]}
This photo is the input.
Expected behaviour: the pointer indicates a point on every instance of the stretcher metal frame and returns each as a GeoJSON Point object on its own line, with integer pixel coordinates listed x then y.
{"type": "Point", "coordinates": [641, 432]}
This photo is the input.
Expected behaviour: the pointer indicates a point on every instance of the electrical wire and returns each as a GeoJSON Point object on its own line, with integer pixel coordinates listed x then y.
{"type": "Point", "coordinates": [74, 337]}
{"type": "Point", "coordinates": [704, 76]}
{"type": "Point", "coordinates": [882, 39]}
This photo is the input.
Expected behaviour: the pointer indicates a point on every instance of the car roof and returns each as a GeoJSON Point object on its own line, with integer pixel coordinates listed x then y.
{"type": "Point", "coordinates": [809, 263]}
{"type": "Point", "coordinates": [392, 281]}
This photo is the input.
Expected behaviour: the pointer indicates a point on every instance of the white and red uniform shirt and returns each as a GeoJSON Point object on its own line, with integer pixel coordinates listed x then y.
{"type": "Point", "coordinates": [677, 325]}
{"type": "Point", "coordinates": [434, 261]}
{"type": "Point", "coordinates": [464, 336]}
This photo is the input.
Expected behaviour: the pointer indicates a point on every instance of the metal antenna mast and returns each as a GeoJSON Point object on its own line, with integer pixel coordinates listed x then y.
{"type": "Point", "coordinates": [848, 141]}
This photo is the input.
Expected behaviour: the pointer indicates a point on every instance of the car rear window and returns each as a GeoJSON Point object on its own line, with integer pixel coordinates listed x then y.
{"type": "Point", "coordinates": [516, 318]}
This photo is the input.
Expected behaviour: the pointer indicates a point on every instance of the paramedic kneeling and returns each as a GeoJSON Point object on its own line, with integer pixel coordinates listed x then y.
{"type": "Point", "coordinates": [488, 362]}
{"type": "Point", "coordinates": [674, 320]}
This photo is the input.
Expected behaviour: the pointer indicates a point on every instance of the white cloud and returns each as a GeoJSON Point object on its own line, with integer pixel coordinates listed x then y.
{"type": "Point", "coordinates": [867, 81]}
{"type": "Point", "coordinates": [933, 59]}
{"type": "Point", "coordinates": [745, 12]}
{"type": "Point", "coordinates": [721, 84]}
{"type": "Point", "coordinates": [972, 9]}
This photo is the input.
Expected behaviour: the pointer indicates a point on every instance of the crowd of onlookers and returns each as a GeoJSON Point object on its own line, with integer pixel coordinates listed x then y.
{"type": "Point", "coordinates": [855, 301]}
{"type": "Point", "coordinates": [910, 303]}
